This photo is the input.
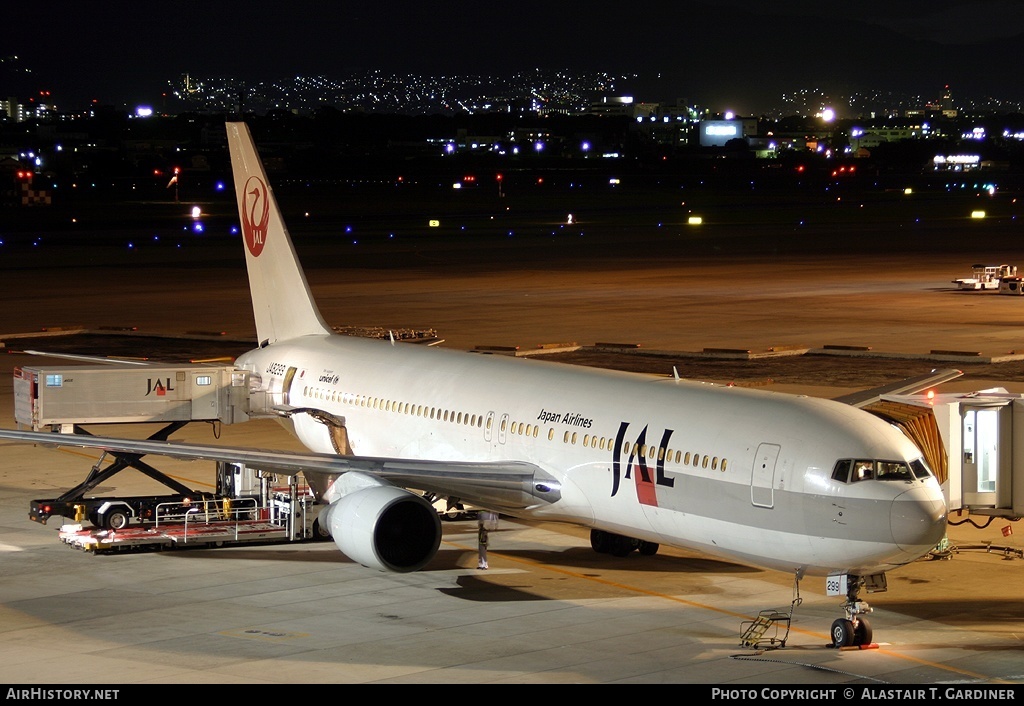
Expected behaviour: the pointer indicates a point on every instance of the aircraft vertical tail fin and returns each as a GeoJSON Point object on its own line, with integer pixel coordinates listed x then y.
{"type": "Point", "coordinates": [282, 304]}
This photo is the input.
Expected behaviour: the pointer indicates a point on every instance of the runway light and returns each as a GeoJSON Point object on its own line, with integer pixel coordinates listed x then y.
{"type": "Point", "coordinates": [908, 191]}
{"type": "Point", "coordinates": [694, 220]}
{"type": "Point", "coordinates": [196, 212]}
{"type": "Point", "coordinates": [977, 214]}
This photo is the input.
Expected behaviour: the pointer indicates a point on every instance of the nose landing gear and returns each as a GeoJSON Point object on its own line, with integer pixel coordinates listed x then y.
{"type": "Point", "coordinates": [855, 630]}
{"type": "Point", "coordinates": [848, 632]}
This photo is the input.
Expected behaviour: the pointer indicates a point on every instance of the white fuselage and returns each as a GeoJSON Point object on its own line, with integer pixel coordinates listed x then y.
{"type": "Point", "coordinates": [739, 473]}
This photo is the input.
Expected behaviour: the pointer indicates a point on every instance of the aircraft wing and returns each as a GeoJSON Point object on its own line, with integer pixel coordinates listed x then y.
{"type": "Point", "coordinates": [87, 358]}
{"type": "Point", "coordinates": [505, 485]}
{"type": "Point", "coordinates": [908, 386]}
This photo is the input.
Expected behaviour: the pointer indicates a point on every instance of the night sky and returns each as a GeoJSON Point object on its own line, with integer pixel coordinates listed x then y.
{"type": "Point", "coordinates": [726, 53]}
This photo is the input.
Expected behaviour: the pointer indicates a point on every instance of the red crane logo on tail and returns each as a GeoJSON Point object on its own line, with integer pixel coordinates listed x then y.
{"type": "Point", "coordinates": [255, 215]}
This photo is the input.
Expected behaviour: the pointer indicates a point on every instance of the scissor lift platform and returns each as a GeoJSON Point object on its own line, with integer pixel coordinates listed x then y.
{"type": "Point", "coordinates": [171, 536]}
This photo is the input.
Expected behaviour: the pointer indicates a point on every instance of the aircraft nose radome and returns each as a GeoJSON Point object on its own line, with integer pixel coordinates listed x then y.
{"type": "Point", "coordinates": [918, 519]}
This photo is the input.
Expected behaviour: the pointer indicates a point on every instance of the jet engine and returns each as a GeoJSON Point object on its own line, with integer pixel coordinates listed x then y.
{"type": "Point", "coordinates": [384, 527]}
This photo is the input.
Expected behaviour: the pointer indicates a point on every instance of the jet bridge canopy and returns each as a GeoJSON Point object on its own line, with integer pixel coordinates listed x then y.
{"type": "Point", "coordinates": [919, 424]}
{"type": "Point", "coordinates": [973, 441]}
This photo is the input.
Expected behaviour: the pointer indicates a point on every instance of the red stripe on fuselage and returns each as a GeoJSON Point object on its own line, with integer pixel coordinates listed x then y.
{"type": "Point", "coordinates": [645, 490]}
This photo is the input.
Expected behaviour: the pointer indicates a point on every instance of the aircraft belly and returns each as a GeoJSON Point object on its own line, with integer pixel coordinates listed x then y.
{"type": "Point", "coordinates": [588, 486]}
{"type": "Point", "coordinates": [814, 556]}
{"type": "Point", "coordinates": [313, 434]}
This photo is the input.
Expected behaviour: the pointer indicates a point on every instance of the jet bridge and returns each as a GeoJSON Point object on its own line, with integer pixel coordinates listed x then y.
{"type": "Point", "coordinates": [974, 442]}
{"type": "Point", "coordinates": [66, 399]}
{"type": "Point", "coordinates": [60, 397]}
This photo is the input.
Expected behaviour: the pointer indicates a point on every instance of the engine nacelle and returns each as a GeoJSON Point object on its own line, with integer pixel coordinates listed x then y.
{"type": "Point", "coordinates": [384, 527]}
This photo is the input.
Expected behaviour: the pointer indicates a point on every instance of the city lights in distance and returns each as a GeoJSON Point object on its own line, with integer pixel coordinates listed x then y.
{"type": "Point", "coordinates": [957, 162]}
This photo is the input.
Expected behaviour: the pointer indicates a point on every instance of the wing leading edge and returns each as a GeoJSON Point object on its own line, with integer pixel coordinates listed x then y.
{"type": "Point", "coordinates": [506, 485]}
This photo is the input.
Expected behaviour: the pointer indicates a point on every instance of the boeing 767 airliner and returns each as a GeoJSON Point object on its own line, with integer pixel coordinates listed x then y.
{"type": "Point", "coordinates": [806, 486]}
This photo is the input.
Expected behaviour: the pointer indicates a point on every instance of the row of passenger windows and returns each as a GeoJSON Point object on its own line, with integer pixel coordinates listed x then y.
{"type": "Point", "coordinates": [628, 449]}
{"type": "Point", "coordinates": [417, 410]}
{"type": "Point", "coordinates": [687, 458]}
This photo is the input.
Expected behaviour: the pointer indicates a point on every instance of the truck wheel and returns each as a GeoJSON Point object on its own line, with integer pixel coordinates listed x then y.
{"type": "Point", "coordinates": [320, 533]}
{"type": "Point", "coordinates": [115, 519]}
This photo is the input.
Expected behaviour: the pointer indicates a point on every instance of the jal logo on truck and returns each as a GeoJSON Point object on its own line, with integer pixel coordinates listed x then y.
{"type": "Point", "coordinates": [158, 387]}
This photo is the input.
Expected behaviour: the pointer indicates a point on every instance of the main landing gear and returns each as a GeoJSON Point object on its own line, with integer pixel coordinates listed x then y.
{"type": "Point", "coordinates": [854, 630]}
{"type": "Point", "coordinates": [618, 545]}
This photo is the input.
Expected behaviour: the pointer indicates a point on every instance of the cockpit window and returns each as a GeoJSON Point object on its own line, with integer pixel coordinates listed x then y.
{"type": "Point", "coordinates": [920, 468]}
{"type": "Point", "coordinates": [863, 470]}
{"type": "Point", "coordinates": [855, 470]}
{"type": "Point", "coordinates": [894, 470]}
{"type": "Point", "coordinates": [841, 472]}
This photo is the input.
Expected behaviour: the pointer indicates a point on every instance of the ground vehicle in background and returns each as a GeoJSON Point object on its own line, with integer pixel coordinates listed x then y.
{"type": "Point", "coordinates": [985, 276]}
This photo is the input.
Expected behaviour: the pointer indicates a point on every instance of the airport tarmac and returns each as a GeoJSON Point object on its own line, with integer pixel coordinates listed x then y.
{"type": "Point", "coordinates": [549, 610]}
